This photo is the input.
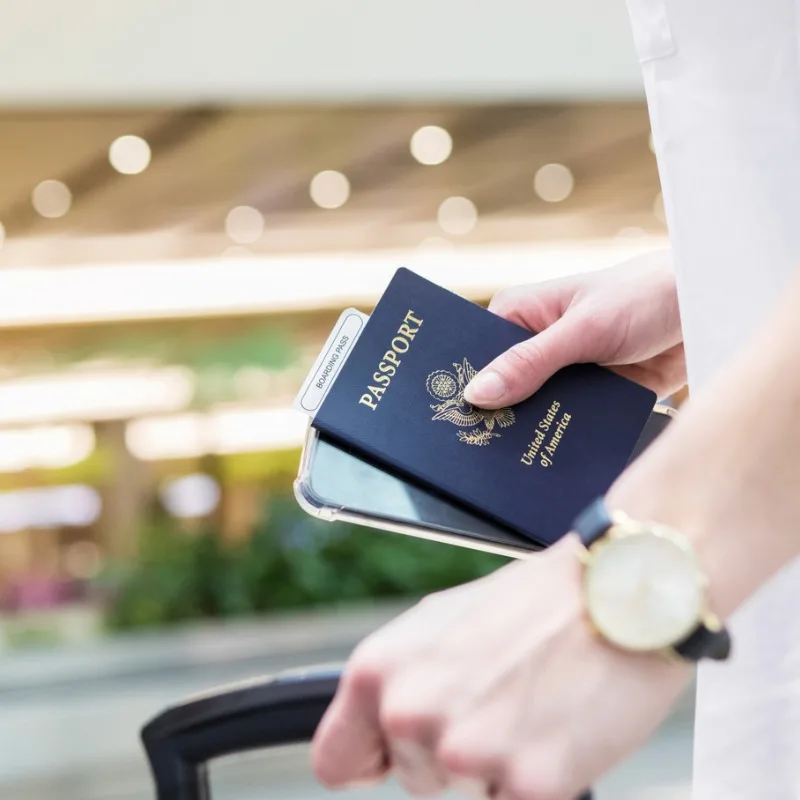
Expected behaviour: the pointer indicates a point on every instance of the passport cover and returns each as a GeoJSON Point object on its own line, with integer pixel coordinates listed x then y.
{"type": "Point", "coordinates": [532, 467]}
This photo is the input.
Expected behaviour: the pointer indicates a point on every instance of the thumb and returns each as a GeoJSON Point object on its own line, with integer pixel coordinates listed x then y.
{"type": "Point", "coordinates": [521, 370]}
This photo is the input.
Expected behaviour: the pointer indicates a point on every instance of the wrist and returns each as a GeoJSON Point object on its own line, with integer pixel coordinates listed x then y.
{"type": "Point", "coordinates": [644, 589]}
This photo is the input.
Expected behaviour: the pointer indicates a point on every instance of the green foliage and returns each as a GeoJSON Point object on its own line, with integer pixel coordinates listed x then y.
{"type": "Point", "coordinates": [291, 561]}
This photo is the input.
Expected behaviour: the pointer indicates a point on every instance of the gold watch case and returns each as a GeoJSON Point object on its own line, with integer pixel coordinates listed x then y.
{"type": "Point", "coordinates": [624, 527]}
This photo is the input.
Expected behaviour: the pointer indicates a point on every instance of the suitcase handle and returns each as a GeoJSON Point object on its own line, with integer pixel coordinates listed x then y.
{"type": "Point", "coordinates": [268, 712]}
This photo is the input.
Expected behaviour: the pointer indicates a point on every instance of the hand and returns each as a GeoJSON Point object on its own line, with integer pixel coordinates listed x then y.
{"type": "Point", "coordinates": [625, 317]}
{"type": "Point", "coordinates": [498, 688]}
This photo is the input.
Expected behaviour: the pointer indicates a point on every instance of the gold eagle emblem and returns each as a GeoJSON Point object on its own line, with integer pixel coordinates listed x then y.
{"type": "Point", "coordinates": [476, 425]}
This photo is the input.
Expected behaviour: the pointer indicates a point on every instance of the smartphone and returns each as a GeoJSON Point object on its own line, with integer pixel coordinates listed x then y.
{"type": "Point", "coordinates": [334, 484]}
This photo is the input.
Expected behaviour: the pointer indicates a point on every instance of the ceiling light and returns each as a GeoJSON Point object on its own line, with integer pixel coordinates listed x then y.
{"type": "Point", "coordinates": [52, 199]}
{"type": "Point", "coordinates": [244, 224]}
{"type": "Point", "coordinates": [46, 447]}
{"type": "Point", "coordinates": [67, 294]}
{"type": "Point", "coordinates": [106, 394]}
{"type": "Point", "coordinates": [431, 145]}
{"type": "Point", "coordinates": [553, 183]}
{"type": "Point", "coordinates": [330, 189]}
{"type": "Point", "coordinates": [223, 432]}
{"type": "Point", "coordinates": [457, 216]}
{"type": "Point", "coordinates": [50, 507]}
{"type": "Point", "coordinates": [129, 155]}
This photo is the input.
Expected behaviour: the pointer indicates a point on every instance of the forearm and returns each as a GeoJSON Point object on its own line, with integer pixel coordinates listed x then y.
{"type": "Point", "coordinates": [727, 472]}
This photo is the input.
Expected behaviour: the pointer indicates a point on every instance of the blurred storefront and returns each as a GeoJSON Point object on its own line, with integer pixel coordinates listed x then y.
{"type": "Point", "coordinates": [167, 277]}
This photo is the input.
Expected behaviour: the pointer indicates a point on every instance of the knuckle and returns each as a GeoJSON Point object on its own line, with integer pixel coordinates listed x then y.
{"type": "Point", "coordinates": [402, 721]}
{"type": "Point", "coordinates": [522, 359]}
{"type": "Point", "coordinates": [366, 669]}
{"type": "Point", "coordinates": [413, 708]}
{"type": "Point", "coordinates": [469, 754]}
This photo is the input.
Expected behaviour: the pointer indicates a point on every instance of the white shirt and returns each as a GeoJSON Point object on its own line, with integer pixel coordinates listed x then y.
{"type": "Point", "coordinates": [722, 79]}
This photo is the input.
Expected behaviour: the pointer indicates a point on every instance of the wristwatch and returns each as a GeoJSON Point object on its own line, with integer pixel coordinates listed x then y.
{"type": "Point", "coordinates": [644, 588]}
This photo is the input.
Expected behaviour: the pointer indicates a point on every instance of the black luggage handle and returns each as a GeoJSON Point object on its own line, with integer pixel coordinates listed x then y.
{"type": "Point", "coordinates": [268, 712]}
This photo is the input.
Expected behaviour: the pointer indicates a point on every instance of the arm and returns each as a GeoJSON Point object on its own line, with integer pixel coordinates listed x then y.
{"type": "Point", "coordinates": [726, 473]}
{"type": "Point", "coordinates": [513, 653]}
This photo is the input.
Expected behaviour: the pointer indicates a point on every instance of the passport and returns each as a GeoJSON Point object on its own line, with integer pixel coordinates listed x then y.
{"type": "Point", "coordinates": [532, 467]}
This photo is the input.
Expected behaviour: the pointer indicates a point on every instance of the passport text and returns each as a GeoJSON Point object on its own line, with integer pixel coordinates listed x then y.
{"type": "Point", "coordinates": [558, 426]}
{"type": "Point", "coordinates": [390, 363]}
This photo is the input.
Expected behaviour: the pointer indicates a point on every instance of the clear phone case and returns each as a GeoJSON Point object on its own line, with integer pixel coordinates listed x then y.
{"type": "Point", "coordinates": [334, 484]}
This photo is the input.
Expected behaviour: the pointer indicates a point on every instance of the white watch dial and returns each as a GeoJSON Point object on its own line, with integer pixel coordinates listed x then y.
{"type": "Point", "coordinates": [643, 591]}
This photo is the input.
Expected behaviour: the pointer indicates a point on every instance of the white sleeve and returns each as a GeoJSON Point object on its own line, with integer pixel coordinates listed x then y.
{"type": "Point", "coordinates": [722, 79]}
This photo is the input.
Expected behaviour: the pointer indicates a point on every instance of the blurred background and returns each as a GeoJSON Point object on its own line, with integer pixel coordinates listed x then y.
{"type": "Point", "coordinates": [191, 192]}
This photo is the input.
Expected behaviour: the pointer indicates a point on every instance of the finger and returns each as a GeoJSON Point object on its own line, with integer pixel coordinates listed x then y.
{"type": "Point", "coordinates": [520, 371]}
{"type": "Point", "coordinates": [412, 716]}
{"type": "Point", "coordinates": [534, 307]}
{"type": "Point", "coordinates": [414, 768]}
{"type": "Point", "coordinates": [348, 748]}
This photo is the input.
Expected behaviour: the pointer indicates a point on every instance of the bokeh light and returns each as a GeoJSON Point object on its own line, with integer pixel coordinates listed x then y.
{"type": "Point", "coordinates": [554, 183]}
{"type": "Point", "coordinates": [457, 216]}
{"type": "Point", "coordinates": [330, 189]}
{"type": "Point", "coordinates": [52, 199]}
{"type": "Point", "coordinates": [191, 496]}
{"type": "Point", "coordinates": [431, 145]}
{"type": "Point", "coordinates": [129, 155]}
{"type": "Point", "coordinates": [244, 225]}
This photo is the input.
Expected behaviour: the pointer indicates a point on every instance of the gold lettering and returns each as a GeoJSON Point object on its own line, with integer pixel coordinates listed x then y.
{"type": "Point", "coordinates": [550, 416]}
{"type": "Point", "coordinates": [533, 448]}
{"type": "Point", "coordinates": [537, 448]}
{"type": "Point", "coordinates": [391, 357]}
{"type": "Point", "coordinates": [409, 333]}
{"type": "Point", "coordinates": [398, 341]}
{"type": "Point", "coordinates": [390, 363]}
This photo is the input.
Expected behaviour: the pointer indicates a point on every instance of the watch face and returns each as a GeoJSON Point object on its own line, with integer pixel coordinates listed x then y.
{"type": "Point", "coordinates": [644, 591]}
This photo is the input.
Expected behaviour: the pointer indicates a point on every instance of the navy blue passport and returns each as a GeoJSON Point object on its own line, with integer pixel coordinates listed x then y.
{"type": "Point", "coordinates": [532, 467]}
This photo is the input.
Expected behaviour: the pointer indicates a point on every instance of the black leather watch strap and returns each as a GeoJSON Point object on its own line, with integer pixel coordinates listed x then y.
{"type": "Point", "coordinates": [705, 643]}
{"type": "Point", "coordinates": [592, 522]}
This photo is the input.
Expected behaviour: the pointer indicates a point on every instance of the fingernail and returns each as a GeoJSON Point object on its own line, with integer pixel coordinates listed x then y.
{"type": "Point", "coordinates": [486, 387]}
